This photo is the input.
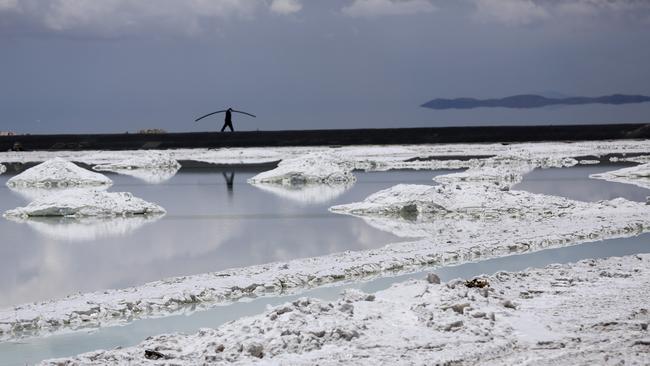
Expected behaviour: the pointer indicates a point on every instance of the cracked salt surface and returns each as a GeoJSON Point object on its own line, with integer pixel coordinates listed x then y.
{"type": "Point", "coordinates": [590, 312]}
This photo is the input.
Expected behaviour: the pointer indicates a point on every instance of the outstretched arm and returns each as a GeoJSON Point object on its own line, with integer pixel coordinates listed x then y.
{"type": "Point", "coordinates": [208, 115]}
{"type": "Point", "coordinates": [252, 115]}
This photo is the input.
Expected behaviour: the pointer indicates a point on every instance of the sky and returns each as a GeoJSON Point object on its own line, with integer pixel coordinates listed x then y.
{"type": "Point", "coordinates": [88, 66]}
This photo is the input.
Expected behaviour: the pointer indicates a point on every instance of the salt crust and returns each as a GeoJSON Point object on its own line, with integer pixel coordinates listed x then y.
{"type": "Point", "coordinates": [590, 312]}
{"type": "Point", "coordinates": [2, 168]}
{"type": "Point", "coordinates": [59, 173]}
{"type": "Point", "coordinates": [638, 175]}
{"type": "Point", "coordinates": [86, 203]}
{"type": "Point", "coordinates": [150, 166]}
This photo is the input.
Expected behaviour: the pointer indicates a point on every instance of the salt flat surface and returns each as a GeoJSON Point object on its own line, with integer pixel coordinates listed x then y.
{"type": "Point", "coordinates": [86, 203]}
{"type": "Point", "coordinates": [408, 210]}
{"type": "Point", "coordinates": [367, 157]}
{"type": "Point", "coordinates": [590, 312]}
{"type": "Point", "coordinates": [57, 172]}
{"type": "Point", "coordinates": [487, 223]}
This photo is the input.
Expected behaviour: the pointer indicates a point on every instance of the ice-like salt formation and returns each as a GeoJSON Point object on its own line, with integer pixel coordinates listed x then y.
{"type": "Point", "coordinates": [144, 160]}
{"type": "Point", "coordinates": [151, 167]}
{"type": "Point", "coordinates": [87, 203]}
{"type": "Point", "coordinates": [57, 172]}
{"type": "Point", "coordinates": [638, 175]}
{"type": "Point", "coordinates": [2, 168]}
{"type": "Point", "coordinates": [312, 168]}
{"type": "Point", "coordinates": [590, 312]}
{"type": "Point", "coordinates": [503, 173]}
{"type": "Point", "coordinates": [86, 229]}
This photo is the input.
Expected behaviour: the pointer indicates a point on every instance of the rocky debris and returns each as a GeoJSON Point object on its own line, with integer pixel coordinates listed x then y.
{"type": "Point", "coordinates": [433, 278]}
{"type": "Point", "coordinates": [60, 173]}
{"type": "Point", "coordinates": [594, 322]}
{"type": "Point", "coordinates": [86, 203]}
{"type": "Point", "coordinates": [477, 282]}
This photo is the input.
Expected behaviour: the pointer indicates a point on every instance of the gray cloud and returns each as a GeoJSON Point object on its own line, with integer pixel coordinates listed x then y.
{"type": "Point", "coordinates": [377, 8]}
{"type": "Point", "coordinates": [123, 17]}
{"type": "Point", "coordinates": [524, 12]}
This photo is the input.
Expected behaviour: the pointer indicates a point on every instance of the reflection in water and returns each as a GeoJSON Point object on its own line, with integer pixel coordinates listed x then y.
{"type": "Point", "coordinates": [306, 194]}
{"type": "Point", "coordinates": [574, 183]}
{"type": "Point", "coordinates": [86, 228]}
{"type": "Point", "coordinates": [148, 175]}
{"type": "Point", "coordinates": [34, 193]}
{"type": "Point", "coordinates": [230, 179]}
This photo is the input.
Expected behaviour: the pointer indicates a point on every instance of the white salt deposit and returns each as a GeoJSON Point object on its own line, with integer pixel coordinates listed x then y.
{"type": "Point", "coordinates": [503, 173]}
{"type": "Point", "coordinates": [144, 160]}
{"type": "Point", "coordinates": [312, 168]}
{"type": "Point", "coordinates": [590, 312]}
{"type": "Point", "coordinates": [57, 172]}
{"type": "Point", "coordinates": [2, 168]}
{"type": "Point", "coordinates": [638, 175]}
{"type": "Point", "coordinates": [86, 203]}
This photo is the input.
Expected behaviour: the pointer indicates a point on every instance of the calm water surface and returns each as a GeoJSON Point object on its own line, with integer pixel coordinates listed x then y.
{"type": "Point", "coordinates": [210, 225]}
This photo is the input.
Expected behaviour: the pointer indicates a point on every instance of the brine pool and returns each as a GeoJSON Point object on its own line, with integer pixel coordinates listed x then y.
{"type": "Point", "coordinates": [215, 220]}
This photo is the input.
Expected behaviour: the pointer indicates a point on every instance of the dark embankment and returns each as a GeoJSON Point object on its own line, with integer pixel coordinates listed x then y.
{"type": "Point", "coordinates": [526, 101]}
{"type": "Point", "coordinates": [327, 137]}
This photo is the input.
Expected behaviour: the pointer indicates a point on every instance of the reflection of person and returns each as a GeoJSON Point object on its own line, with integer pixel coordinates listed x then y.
{"type": "Point", "coordinates": [229, 182]}
{"type": "Point", "coordinates": [227, 122]}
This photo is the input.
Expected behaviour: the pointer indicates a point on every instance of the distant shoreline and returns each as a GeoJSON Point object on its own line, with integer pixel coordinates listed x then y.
{"type": "Point", "coordinates": [528, 101]}
{"type": "Point", "coordinates": [380, 136]}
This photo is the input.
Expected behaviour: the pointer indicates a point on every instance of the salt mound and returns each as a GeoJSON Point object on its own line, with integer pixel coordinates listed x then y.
{"type": "Point", "coordinates": [316, 167]}
{"type": "Point", "coordinates": [57, 172]}
{"type": "Point", "coordinates": [638, 175]}
{"type": "Point", "coordinates": [2, 168]}
{"type": "Point", "coordinates": [409, 200]}
{"type": "Point", "coordinates": [89, 203]}
{"type": "Point", "coordinates": [143, 160]}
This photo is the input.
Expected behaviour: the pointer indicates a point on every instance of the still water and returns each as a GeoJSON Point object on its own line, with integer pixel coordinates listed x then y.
{"type": "Point", "coordinates": [213, 225]}
{"type": "Point", "coordinates": [210, 225]}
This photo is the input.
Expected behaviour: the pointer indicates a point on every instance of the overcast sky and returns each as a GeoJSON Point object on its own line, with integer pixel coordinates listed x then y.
{"type": "Point", "coordinates": [123, 65]}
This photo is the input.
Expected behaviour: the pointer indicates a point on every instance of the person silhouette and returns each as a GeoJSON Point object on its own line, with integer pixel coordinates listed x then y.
{"type": "Point", "coordinates": [227, 122]}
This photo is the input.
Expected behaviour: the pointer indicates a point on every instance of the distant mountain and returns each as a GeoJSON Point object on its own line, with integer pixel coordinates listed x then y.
{"type": "Point", "coordinates": [531, 101]}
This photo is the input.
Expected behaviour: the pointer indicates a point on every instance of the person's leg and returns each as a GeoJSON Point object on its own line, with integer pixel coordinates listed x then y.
{"type": "Point", "coordinates": [231, 128]}
{"type": "Point", "coordinates": [224, 127]}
